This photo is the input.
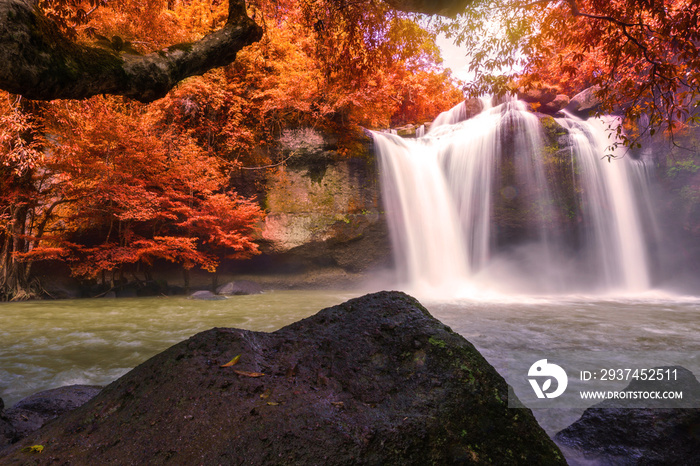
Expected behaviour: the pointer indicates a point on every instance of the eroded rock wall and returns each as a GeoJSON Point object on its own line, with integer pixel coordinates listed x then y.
{"type": "Point", "coordinates": [324, 209]}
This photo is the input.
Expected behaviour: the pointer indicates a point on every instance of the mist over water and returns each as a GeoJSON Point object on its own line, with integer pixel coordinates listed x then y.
{"type": "Point", "coordinates": [492, 206]}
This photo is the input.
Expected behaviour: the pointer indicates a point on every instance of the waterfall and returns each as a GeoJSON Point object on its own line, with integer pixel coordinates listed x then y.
{"type": "Point", "coordinates": [615, 239]}
{"type": "Point", "coordinates": [488, 203]}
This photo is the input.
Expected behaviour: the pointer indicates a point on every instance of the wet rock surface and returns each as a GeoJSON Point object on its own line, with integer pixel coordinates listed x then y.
{"type": "Point", "coordinates": [375, 380]}
{"type": "Point", "coordinates": [559, 103]}
{"type": "Point", "coordinates": [585, 103]}
{"type": "Point", "coordinates": [617, 432]}
{"type": "Point", "coordinates": [8, 433]}
{"type": "Point", "coordinates": [240, 287]}
{"type": "Point", "coordinates": [32, 412]}
{"type": "Point", "coordinates": [539, 95]}
{"type": "Point", "coordinates": [204, 295]}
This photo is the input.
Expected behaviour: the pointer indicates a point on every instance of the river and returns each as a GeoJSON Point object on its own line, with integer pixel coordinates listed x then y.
{"type": "Point", "coordinates": [46, 344]}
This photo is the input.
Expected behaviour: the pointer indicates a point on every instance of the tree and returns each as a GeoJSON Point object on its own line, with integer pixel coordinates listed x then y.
{"type": "Point", "coordinates": [20, 153]}
{"type": "Point", "coordinates": [643, 55]}
{"type": "Point", "coordinates": [122, 192]}
{"type": "Point", "coordinates": [109, 186]}
{"type": "Point", "coordinates": [43, 60]}
{"type": "Point", "coordinates": [389, 73]}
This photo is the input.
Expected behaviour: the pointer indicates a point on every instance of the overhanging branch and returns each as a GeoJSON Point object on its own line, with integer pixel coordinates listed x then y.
{"type": "Point", "coordinates": [40, 63]}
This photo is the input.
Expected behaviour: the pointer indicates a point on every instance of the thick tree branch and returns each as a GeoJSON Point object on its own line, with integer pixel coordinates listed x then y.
{"type": "Point", "coordinates": [449, 8]}
{"type": "Point", "coordinates": [42, 64]}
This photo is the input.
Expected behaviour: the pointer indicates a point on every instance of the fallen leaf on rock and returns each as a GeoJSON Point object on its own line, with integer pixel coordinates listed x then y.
{"type": "Point", "coordinates": [266, 394]}
{"type": "Point", "coordinates": [232, 361]}
{"type": "Point", "coordinates": [272, 403]}
{"type": "Point", "coordinates": [337, 403]}
{"type": "Point", "coordinates": [33, 449]}
{"type": "Point", "coordinates": [249, 374]}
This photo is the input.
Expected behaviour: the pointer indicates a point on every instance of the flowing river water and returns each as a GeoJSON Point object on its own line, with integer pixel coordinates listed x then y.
{"type": "Point", "coordinates": [517, 231]}
{"type": "Point", "coordinates": [46, 344]}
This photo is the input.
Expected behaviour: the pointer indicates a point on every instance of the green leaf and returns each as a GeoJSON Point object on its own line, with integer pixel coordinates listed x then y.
{"type": "Point", "coordinates": [33, 449]}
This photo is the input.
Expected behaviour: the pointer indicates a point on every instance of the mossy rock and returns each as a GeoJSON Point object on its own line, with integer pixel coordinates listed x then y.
{"type": "Point", "coordinates": [376, 380]}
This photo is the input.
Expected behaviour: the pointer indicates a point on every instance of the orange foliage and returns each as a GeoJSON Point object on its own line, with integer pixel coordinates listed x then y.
{"type": "Point", "coordinates": [644, 56]}
{"type": "Point", "coordinates": [17, 152]}
{"type": "Point", "coordinates": [133, 192]}
{"type": "Point", "coordinates": [110, 185]}
{"type": "Point", "coordinates": [366, 66]}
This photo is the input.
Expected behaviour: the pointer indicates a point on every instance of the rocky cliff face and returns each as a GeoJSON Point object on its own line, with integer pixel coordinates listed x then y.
{"type": "Point", "coordinates": [323, 208]}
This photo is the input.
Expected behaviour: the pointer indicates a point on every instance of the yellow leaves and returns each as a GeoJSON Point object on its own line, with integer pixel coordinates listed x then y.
{"type": "Point", "coordinates": [267, 395]}
{"type": "Point", "coordinates": [232, 362]}
{"type": "Point", "coordinates": [249, 374]}
{"type": "Point", "coordinates": [33, 449]}
{"type": "Point", "coordinates": [200, 17]}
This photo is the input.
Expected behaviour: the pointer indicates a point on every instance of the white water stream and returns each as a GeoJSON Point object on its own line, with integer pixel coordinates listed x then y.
{"type": "Point", "coordinates": [519, 233]}
{"type": "Point", "coordinates": [454, 197]}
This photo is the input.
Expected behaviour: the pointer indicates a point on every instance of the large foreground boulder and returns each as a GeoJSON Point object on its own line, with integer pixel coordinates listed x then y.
{"type": "Point", "coordinates": [376, 380]}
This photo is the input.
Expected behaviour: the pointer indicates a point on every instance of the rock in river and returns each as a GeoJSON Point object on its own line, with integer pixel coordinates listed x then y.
{"type": "Point", "coordinates": [376, 380]}
{"type": "Point", "coordinates": [621, 432]}
{"type": "Point", "coordinates": [240, 287]}
{"type": "Point", "coordinates": [32, 412]}
{"type": "Point", "coordinates": [204, 295]}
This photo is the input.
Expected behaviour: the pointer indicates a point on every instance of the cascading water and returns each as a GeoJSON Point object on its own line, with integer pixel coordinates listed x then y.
{"type": "Point", "coordinates": [485, 204]}
{"type": "Point", "coordinates": [612, 218]}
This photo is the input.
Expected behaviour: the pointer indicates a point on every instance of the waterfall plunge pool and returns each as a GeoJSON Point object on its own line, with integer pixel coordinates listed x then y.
{"type": "Point", "coordinates": [46, 344]}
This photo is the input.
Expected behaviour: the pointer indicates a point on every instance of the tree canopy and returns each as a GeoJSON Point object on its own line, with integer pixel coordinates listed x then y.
{"type": "Point", "coordinates": [110, 186]}
{"type": "Point", "coordinates": [642, 56]}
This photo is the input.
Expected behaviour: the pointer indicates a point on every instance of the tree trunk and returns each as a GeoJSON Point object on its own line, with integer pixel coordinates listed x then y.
{"type": "Point", "coordinates": [14, 275]}
{"type": "Point", "coordinates": [186, 278]}
{"type": "Point", "coordinates": [449, 8]}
